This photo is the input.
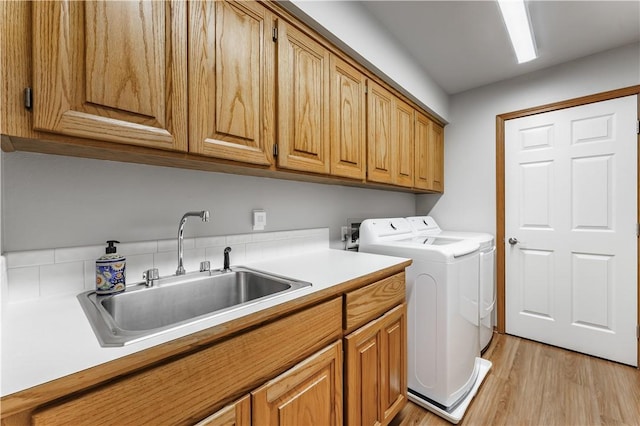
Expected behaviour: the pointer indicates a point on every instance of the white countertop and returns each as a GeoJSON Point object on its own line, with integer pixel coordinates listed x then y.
{"type": "Point", "coordinates": [47, 339]}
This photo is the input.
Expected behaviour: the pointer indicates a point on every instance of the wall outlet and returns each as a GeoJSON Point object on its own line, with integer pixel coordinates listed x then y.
{"type": "Point", "coordinates": [259, 220]}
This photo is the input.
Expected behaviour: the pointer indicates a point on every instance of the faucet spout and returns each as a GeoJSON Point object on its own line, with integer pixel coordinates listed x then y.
{"type": "Point", "coordinates": [225, 266]}
{"type": "Point", "coordinates": [204, 216]}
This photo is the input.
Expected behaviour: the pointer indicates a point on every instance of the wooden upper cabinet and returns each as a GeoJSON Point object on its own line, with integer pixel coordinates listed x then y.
{"type": "Point", "coordinates": [348, 137]}
{"type": "Point", "coordinates": [403, 144]}
{"type": "Point", "coordinates": [379, 133]}
{"type": "Point", "coordinates": [231, 81]}
{"type": "Point", "coordinates": [303, 102]}
{"type": "Point", "coordinates": [436, 158]}
{"type": "Point", "coordinates": [111, 71]}
{"type": "Point", "coordinates": [422, 168]}
{"type": "Point", "coordinates": [429, 156]}
{"type": "Point", "coordinates": [310, 393]}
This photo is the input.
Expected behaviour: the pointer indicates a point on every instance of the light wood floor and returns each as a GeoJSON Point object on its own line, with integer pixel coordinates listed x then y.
{"type": "Point", "coordinates": [535, 384]}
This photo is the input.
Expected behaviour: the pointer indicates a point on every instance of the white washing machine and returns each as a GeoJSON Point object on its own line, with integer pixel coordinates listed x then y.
{"type": "Point", "coordinates": [427, 226]}
{"type": "Point", "coordinates": [444, 365]}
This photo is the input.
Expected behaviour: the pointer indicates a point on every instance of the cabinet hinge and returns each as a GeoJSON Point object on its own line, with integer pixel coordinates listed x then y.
{"type": "Point", "coordinates": [275, 34]}
{"type": "Point", "coordinates": [637, 229]}
{"type": "Point", "coordinates": [638, 332]}
{"type": "Point", "coordinates": [275, 150]}
{"type": "Point", "coordinates": [638, 127]}
{"type": "Point", "coordinates": [28, 98]}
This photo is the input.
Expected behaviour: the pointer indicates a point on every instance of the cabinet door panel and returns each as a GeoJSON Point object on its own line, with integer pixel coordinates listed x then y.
{"type": "Point", "coordinates": [376, 369]}
{"type": "Point", "coordinates": [303, 102]}
{"type": "Point", "coordinates": [236, 414]}
{"type": "Point", "coordinates": [308, 394]}
{"type": "Point", "coordinates": [379, 133]}
{"type": "Point", "coordinates": [347, 120]}
{"type": "Point", "coordinates": [421, 166]}
{"type": "Point", "coordinates": [363, 376]}
{"type": "Point", "coordinates": [436, 160]}
{"type": "Point", "coordinates": [111, 71]}
{"type": "Point", "coordinates": [403, 144]}
{"type": "Point", "coordinates": [231, 81]}
{"type": "Point", "coordinates": [394, 362]}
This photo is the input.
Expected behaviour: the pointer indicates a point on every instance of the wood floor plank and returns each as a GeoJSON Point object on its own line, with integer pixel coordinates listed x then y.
{"type": "Point", "coordinates": [532, 384]}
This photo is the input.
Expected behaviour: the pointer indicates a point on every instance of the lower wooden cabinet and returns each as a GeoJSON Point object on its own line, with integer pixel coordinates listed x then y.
{"type": "Point", "coordinates": [308, 394]}
{"type": "Point", "coordinates": [376, 369]}
{"type": "Point", "coordinates": [298, 381]}
{"type": "Point", "coordinates": [236, 414]}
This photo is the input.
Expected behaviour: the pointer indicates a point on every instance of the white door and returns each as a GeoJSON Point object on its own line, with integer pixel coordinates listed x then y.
{"type": "Point", "coordinates": [570, 225]}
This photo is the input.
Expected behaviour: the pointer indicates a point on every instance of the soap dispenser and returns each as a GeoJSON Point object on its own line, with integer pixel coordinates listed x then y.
{"type": "Point", "coordinates": [110, 274]}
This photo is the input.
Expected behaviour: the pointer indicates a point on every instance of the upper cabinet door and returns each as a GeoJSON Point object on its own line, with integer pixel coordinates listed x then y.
{"type": "Point", "coordinates": [111, 71]}
{"type": "Point", "coordinates": [403, 143]}
{"type": "Point", "coordinates": [303, 102]}
{"type": "Point", "coordinates": [429, 157]}
{"type": "Point", "coordinates": [231, 81]}
{"type": "Point", "coordinates": [348, 135]}
{"type": "Point", "coordinates": [436, 158]}
{"type": "Point", "coordinates": [422, 168]}
{"type": "Point", "coordinates": [379, 133]}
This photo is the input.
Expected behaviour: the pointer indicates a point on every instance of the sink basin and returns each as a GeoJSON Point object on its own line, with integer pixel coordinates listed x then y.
{"type": "Point", "coordinates": [141, 312]}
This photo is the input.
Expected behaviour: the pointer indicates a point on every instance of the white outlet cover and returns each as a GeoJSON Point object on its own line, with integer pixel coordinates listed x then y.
{"type": "Point", "coordinates": [259, 220]}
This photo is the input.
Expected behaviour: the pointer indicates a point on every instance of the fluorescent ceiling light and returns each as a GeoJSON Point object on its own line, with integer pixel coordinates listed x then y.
{"type": "Point", "coordinates": [516, 19]}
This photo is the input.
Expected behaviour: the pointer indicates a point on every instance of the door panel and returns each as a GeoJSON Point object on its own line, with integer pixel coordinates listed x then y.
{"type": "Point", "coordinates": [347, 120]}
{"type": "Point", "coordinates": [231, 81]}
{"type": "Point", "coordinates": [403, 147]}
{"type": "Point", "coordinates": [303, 102]}
{"type": "Point", "coordinates": [571, 204]}
{"type": "Point", "coordinates": [379, 133]}
{"type": "Point", "coordinates": [112, 71]}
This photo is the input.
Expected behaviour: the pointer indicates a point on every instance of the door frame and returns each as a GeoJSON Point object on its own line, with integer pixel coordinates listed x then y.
{"type": "Point", "coordinates": [500, 186]}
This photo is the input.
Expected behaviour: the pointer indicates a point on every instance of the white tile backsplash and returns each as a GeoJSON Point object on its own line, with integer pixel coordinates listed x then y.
{"type": "Point", "coordinates": [29, 279]}
{"type": "Point", "coordinates": [30, 258]}
{"type": "Point", "coordinates": [206, 242]}
{"type": "Point", "coordinates": [61, 278]}
{"type": "Point", "coordinates": [56, 271]}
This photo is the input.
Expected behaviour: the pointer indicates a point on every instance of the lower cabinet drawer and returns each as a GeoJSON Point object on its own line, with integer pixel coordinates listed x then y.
{"type": "Point", "coordinates": [368, 303]}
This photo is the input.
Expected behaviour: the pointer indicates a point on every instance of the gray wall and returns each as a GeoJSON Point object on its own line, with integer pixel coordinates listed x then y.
{"type": "Point", "coordinates": [54, 201]}
{"type": "Point", "coordinates": [469, 199]}
{"type": "Point", "coordinates": [352, 28]}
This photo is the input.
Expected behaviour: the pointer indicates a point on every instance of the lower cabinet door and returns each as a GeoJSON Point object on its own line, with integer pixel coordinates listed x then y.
{"type": "Point", "coordinates": [376, 369]}
{"type": "Point", "coordinates": [310, 393]}
{"type": "Point", "coordinates": [236, 414]}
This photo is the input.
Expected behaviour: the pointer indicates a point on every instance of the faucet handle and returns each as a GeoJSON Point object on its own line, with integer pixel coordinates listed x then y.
{"type": "Point", "coordinates": [205, 266]}
{"type": "Point", "coordinates": [150, 276]}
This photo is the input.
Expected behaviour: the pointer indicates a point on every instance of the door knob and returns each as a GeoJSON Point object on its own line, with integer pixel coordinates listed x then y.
{"type": "Point", "coordinates": [513, 241]}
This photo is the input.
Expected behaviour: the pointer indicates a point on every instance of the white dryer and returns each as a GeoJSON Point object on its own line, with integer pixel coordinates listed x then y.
{"type": "Point", "coordinates": [427, 226]}
{"type": "Point", "coordinates": [444, 365]}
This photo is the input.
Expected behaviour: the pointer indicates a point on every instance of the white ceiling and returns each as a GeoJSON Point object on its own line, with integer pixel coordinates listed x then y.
{"type": "Point", "coordinates": [464, 44]}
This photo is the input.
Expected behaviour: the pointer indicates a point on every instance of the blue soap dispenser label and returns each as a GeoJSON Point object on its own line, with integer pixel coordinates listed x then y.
{"type": "Point", "coordinates": [110, 271]}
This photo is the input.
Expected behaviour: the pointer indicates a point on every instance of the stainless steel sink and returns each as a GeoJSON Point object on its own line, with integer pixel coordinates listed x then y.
{"type": "Point", "coordinates": [141, 312]}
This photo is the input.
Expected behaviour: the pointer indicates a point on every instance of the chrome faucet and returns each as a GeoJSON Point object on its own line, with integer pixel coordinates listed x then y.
{"type": "Point", "coordinates": [204, 215]}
